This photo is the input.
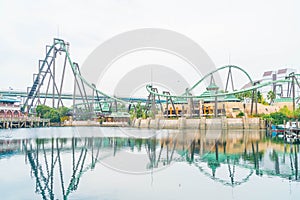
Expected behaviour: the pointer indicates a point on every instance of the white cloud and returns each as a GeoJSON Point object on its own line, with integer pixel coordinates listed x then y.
{"type": "Point", "coordinates": [257, 34]}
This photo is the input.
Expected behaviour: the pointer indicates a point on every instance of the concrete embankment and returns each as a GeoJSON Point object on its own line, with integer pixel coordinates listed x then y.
{"type": "Point", "coordinates": [95, 123]}
{"type": "Point", "coordinates": [201, 123]}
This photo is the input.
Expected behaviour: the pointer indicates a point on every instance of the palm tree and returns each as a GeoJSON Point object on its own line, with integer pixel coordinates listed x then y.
{"type": "Point", "coordinates": [271, 96]}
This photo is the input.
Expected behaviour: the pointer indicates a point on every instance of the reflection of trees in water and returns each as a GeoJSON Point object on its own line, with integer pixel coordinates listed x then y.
{"type": "Point", "coordinates": [66, 160]}
{"type": "Point", "coordinates": [286, 159]}
{"type": "Point", "coordinates": [257, 156]}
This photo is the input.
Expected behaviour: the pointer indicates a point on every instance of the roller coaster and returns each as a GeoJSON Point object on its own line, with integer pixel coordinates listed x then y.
{"type": "Point", "coordinates": [48, 85]}
{"type": "Point", "coordinates": [47, 70]}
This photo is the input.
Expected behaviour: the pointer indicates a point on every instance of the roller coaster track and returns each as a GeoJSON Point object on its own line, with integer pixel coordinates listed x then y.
{"type": "Point", "coordinates": [219, 69]}
{"type": "Point", "coordinates": [90, 85]}
{"type": "Point", "coordinates": [289, 79]}
{"type": "Point", "coordinates": [60, 45]}
{"type": "Point", "coordinates": [254, 87]}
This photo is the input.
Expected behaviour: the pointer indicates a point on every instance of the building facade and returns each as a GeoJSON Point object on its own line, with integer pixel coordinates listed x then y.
{"type": "Point", "coordinates": [9, 107]}
{"type": "Point", "coordinates": [281, 89]}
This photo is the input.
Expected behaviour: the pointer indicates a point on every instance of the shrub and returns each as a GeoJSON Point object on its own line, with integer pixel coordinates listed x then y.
{"type": "Point", "coordinates": [241, 114]}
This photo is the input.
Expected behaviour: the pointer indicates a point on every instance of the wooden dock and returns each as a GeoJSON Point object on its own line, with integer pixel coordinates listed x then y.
{"type": "Point", "coordinates": [23, 122]}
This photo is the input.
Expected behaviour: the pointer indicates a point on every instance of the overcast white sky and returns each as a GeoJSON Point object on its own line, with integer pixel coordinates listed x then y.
{"type": "Point", "coordinates": [259, 35]}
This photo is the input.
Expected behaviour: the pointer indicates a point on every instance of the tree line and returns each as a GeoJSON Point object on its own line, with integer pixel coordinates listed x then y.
{"type": "Point", "coordinates": [56, 115]}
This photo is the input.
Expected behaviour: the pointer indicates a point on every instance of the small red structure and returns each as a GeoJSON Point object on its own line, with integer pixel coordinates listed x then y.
{"type": "Point", "coordinates": [9, 107]}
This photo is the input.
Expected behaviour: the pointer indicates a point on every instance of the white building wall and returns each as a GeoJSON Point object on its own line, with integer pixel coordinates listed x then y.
{"type": "Point", "coordinates": [276, 75]}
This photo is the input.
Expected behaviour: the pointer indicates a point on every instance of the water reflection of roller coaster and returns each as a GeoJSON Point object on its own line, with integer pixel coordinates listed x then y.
{"type": "Point", "coordinates": [48, 85]}
{"type": "Point", "coordinates": [57, 165]}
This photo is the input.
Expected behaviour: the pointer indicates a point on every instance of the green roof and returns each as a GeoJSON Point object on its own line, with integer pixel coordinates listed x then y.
{"type": "Point", "coordinates": [212, 86]}
{"type": "Point", "coordinates": [231, 97]}
{"type": "Point", "coordinates": [228, 98]}
{"type": "Point", "coordinates": [280, 100]}
{"type": "Point", "coordinates": [9, 100]}
{"type": "Point", "coordinates": [207, 94]}
{"type": "Point", "coordinates": [180, 101]}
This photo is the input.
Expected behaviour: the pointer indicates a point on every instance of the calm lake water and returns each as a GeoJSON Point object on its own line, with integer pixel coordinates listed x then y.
{"type": "Point", "coordinates": [124, 163]}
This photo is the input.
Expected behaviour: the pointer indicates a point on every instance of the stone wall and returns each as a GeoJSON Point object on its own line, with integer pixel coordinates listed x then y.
{"type": "Point", "coordinates": [201, 123]}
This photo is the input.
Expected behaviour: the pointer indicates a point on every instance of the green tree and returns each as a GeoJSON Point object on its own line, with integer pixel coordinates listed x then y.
{"type": "Point", "coordinates": [248, 94]}
{"type": "Point", "coordinates": [41, 110]}
{"type": "Point", "coordinates": [260, 98]}
{"type": "Point", "coordinates": [271, 96]}
{"type": "Point", "coordinates": [284, 110]}
{"type": "Point", "coordinates": [63, 111]}
{"type": "Point", "coordinates": [278, 118]}
{"type": "Point", "coordinates": [296, 113]}
{"type": "Point", "coordinates": [139, 110]}
{"type": "Point", "coordinates": [241, 114]}
{"type": "Point", "coordinates": [241, 96]}
{"type": "Point", "coordinates": [53, 115]}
